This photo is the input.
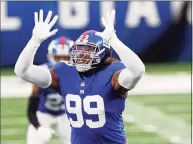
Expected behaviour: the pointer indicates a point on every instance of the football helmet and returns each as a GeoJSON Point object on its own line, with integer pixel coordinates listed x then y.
{"type": "Point", "coordinates": [58, 49]}
{"type": "Point", "coordinates": [89, 50]}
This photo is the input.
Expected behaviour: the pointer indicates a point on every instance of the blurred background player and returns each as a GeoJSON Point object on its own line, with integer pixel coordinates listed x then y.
{"type": "Point", "coordinates": [46, 109]}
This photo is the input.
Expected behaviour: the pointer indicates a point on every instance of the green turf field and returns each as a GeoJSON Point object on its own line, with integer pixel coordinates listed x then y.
{"type": "Point", "coordinates": [14, 123]}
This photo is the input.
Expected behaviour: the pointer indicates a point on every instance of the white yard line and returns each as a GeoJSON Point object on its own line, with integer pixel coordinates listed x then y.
{"type": "Point", "coordinates": [163, 84]}
{"type": "Point", "coordinates": [14, 87]}
{"type": "Point", "coordinates": [173, 129]}
{"type": "Point", "coordinates": [149, 84]}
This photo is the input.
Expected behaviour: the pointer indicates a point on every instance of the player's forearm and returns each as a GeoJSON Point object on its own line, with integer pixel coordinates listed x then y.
{"type": "Point", "coordinates": [32, 109]}
{"type": "Point", "coordinates": [25, 60]}
{"type": "Point", "coordinates": [25, 69]}
{"type": "Point", "coordinates": [135, 68]}
{"type": "Point", "coordinates": [127, 56]}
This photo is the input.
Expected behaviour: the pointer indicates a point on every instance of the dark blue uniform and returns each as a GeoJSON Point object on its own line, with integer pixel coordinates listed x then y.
{"type": "Point", "coordinates": [92, 105]}
{"type": "Point", "coordinates": [50, 101]}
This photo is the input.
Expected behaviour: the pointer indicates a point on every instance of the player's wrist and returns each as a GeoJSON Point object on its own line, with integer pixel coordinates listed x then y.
{"type": "Point", "coordinates": [113, 38]}
{"type": "Point", "coordinates": [32, 45]}
{"type": "Point", "coordinates": [114, 41]}
{"type": "Point", "coordinates": [35, 40]}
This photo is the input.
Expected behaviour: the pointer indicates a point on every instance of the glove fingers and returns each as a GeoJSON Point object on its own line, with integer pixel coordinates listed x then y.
{"type": "Point", "coordinates": [53, 21]}
{"type": "Point", "coordinates": [108, 18]}
{"type": "Point", "coordinates": [41, 16]}
{"type": "Point", "coordinates": [53, 32]}
{"type": "Point", "coordinates": [112, 20]}
{"type": "Point", "coordinates": [104, 22]}
{"type": "Point", "coordinates": [35, 17]}
{"type": "Point", "coordinates": [48, 17]}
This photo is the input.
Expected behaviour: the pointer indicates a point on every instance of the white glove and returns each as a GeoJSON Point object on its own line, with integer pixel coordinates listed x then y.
{"type": "Point", "coordinates": [108, 23]}
{"type": "Point", "coordinates": [42, 28]}
{"type": "Point", "coordinates": [45, 134]}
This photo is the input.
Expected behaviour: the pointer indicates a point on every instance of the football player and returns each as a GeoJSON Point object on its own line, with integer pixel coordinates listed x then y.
{"type": "Point", "coordinates": [46, 108]}
{"type": "Point", "coordinates": [94, 90]}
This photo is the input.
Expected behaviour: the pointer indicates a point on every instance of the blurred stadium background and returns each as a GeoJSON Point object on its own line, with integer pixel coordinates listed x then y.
{"type": "Point", "coordinates": [158, 110]}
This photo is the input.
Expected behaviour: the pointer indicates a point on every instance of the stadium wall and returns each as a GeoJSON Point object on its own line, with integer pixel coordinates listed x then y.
{"type": "Point", "coordinates": [156, 31]}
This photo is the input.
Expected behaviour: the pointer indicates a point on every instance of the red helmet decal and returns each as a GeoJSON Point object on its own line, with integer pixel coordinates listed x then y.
{"type": "Point", "coordinates": [63, 41]}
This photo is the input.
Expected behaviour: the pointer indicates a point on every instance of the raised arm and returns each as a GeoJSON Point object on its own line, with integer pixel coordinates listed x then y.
{"type": "Point", "coordinates": [24, 67]}
{"type": "Point", "coordinates": [127, 78]}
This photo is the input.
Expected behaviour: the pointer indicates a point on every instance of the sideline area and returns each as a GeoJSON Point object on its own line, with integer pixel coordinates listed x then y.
{"type": "Point", "coordinates": [12, 86]}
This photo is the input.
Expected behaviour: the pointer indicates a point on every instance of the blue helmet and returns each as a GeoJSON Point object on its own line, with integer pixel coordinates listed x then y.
{"type": "Point", "coordinates": [89, 50]}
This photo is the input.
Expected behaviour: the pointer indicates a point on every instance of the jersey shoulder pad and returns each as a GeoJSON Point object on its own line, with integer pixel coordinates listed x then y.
{"type": "Point", "coordinates": [61, 68]}
{"type": "Point", "coordinates": [116, 65]}
{"type": "Point", "coordinates": [67, 63]}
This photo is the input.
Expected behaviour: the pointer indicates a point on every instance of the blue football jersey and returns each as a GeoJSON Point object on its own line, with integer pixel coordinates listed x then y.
{"type": "Point", "coordinates": [50, 100]}
{"type": "Point", "coordinates": [92, 105]}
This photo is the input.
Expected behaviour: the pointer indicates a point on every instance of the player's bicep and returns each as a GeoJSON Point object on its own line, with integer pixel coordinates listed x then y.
{"type": "Point", "coordinates": [125, 80]}
{"type": "Point", "coordinates": [54, 83]}
{"type": "Point", "coordinates": [122, 91]}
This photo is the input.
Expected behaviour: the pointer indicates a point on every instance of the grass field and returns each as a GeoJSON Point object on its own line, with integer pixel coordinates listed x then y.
{"type": "Point", "coordinates": [14, 123]}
